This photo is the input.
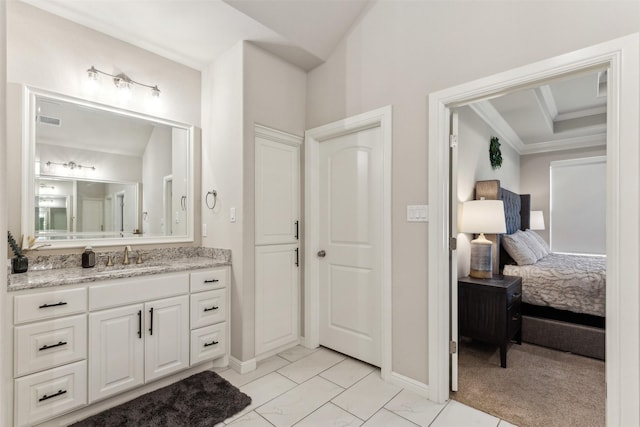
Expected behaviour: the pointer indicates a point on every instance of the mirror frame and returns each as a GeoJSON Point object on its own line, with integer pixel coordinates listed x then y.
{"type": "Point", "coordinates": [28, 173]}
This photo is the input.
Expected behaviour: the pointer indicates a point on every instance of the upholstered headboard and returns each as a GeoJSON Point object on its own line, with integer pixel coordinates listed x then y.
{"type": "Point", "coordinates": [517, 212]}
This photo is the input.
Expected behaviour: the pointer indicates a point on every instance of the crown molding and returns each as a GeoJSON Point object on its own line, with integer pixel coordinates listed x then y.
{"type": "Point", "coordinates": [487, 112]}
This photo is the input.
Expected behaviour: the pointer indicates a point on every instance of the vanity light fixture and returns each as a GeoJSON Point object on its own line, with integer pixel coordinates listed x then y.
{"type": "Point", "coordinates": [71, 165]}
{"type": "Point", "coordinates": [122, 81]}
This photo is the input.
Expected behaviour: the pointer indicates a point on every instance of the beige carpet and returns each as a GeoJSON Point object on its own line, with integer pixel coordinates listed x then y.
{"type": "Point", "coordinates": [540, 387]}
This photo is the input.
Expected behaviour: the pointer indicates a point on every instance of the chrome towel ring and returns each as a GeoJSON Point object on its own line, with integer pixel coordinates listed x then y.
{"type": "Point", "coordinates": [213, 193]}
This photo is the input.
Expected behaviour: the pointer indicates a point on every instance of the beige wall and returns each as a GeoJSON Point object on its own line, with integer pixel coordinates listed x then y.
{"type": "Point", "coordinates": [401, 51]}
{"type": "Point", "coordinates": [51, 53]}
{"type": "Point", "coordinates": [246, 85]}
{"type": "Point", "coordinates": [534, 178]}
{"type": "Point", "coordinates": [474, 136]}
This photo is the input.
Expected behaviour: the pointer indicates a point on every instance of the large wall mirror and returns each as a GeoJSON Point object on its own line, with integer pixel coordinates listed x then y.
{"type": "Point", "coordinates": [100, 175]}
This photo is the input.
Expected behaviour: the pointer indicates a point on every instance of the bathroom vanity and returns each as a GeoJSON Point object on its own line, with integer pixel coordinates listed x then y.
{"type": "Point", "coordinates": [89, 339]}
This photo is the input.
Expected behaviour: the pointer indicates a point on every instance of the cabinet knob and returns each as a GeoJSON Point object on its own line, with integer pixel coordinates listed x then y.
{"type": "Point", "coordinates": [322, 254]}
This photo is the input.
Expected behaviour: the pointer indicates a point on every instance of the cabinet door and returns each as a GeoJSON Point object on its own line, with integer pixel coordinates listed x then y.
{"type": "Point", "coordinates": [277, 192]}
{"type": "Point", "coordinates": [277, 294]}
{"type": "Point", "coordinates": [116, 351]}
{"type": "Point", "coordinates": [167, 336]}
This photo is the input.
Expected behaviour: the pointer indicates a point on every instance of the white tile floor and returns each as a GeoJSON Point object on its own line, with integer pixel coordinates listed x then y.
{"type": "Point", "coordinates": [318, 388]}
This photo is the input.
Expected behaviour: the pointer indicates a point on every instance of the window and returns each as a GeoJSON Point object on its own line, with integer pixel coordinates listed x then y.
{"type": "Point", "coordinates": [578, 205]}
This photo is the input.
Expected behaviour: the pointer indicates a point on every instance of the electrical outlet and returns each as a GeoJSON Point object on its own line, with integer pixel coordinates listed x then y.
{"type": "Point", "coordinates": [204, 230]}
{"type": "Point", "coordinates": [232, 214]}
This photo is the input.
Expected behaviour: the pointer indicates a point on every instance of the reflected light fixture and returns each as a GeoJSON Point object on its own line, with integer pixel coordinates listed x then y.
{"type": "Point", "coordinates": [479, 217]}
{"type": "Point", "coordinates": [71, 165]}
{"type": "Point", "coordinates": [122, 81]}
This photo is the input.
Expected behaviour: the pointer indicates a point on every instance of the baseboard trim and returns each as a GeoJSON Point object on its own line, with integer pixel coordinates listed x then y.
{"type": "Point", "coordinates": [273, 352]}
{"type": "Point", "coordinates": [242, 367]}
{"type": "Point", "coordinates": [410, 384]}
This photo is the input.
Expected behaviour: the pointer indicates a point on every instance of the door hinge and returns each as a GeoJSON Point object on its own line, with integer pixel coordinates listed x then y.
{"type": "Point", "coordinates": [453, 347]}
{"type": "Point", "coordinates": [453, 140]}
{"type": "Point", "coordinates": [453, 243]}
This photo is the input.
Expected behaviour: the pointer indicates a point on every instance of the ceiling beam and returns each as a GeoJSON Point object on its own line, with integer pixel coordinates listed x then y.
{"type": "Point", "coordinates": [547, 105]}
{"type": "Point", "coordinates": [487, 112]}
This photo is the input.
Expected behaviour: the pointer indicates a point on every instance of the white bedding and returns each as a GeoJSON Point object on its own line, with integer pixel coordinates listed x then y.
{"type": "Point", "coordinates": [566, 282]}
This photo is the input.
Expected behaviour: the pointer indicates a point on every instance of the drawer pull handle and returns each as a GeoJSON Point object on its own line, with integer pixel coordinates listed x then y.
{"type": "Point", "coordinates": [53, 305]}
{"type": "Point", "coordinates": [139, 323]}
{"type": "Point", "coordinates": [215, 307]}
{"type": "Point", "coordinates": [211, 281]}
{"type": "Point", "coordinates": [518, 295]}
{"type": "Point", "coordinates": [45, 397]}
{"type": "Point", "coordinates": [47, 347]}
{"type": "Point", "coordinates": [151, 321]}
{"type": "Point", "coordinates": [207, 344]}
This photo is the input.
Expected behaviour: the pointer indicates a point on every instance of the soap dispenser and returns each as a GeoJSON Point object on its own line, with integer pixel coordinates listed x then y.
{"type": "Point", "coordinates": [88, 257]}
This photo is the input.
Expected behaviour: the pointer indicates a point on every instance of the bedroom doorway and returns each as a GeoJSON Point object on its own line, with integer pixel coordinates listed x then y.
{"type": "Point", "coordinates": [622, 177]}
{"type": "Point", "coordinates": [548, 318]}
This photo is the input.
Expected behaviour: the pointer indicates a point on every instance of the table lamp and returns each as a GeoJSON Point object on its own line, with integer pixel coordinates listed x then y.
{"type": "Point", "coordinates": [536, 221]}
{"type": "Point", "coordinates": [479, 217]}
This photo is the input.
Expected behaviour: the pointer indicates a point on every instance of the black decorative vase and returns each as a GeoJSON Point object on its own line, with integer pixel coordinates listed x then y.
{"type": "Point", "coordinates": [19, 264]}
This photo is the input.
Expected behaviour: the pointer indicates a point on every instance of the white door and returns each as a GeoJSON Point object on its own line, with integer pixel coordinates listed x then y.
{"type": "Point", "coordinates": [167, 336]}
{"type": "Point", "coordinates": [277, 191]}
{"type": "Point", "coordinates": [277, 296]}
{"type": "Point", "coordinates": [116, 351]}
{"type": "Point", "coordinates": [92, 215]}
{"type": "Point", "coordinates": [350, 243]}
{"type": "Point", "coordinates": [453, 231]}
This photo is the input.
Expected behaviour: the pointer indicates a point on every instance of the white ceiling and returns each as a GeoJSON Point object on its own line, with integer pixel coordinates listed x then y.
{"type": "Point", "coordinates": [91, 129]}
{"type": "Point", "coordinates": [560, 115]}
{"type": "Point", "coordinates": [565, 114]}
{"type": "Point", "coordinates": [196, 32]}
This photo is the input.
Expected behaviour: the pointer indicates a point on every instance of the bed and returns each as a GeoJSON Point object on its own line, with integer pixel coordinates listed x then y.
{"type": "Point", "coordinates": [563, 295]}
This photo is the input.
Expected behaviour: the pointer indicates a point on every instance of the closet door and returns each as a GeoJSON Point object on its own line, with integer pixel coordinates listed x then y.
{"type": "Point", "coordinates": [277, 184]}
{"type": "Point", "coordinates": [277, 296]}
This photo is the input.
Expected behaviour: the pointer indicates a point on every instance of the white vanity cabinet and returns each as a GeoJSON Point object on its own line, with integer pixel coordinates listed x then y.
{"type": "Point", "coordinates": [77, 345]}
{"type": "Point", "coordinates": [50, 351]}
{"type": "Point", "coordinates": [210, 303]}
{"type": "Point", "coordinates": [143, 338]}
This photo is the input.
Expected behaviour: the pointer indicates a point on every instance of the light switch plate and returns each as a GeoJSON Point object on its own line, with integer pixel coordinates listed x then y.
{"type": "Point", "coordinates": [204, 230]}
{"type": "Point", "coordinates": [232, 214]}
{"type": "Point", "coordinates": [417, 213]}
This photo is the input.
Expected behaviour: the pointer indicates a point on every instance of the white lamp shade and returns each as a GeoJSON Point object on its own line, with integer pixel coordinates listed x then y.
{"type": "Point", "coordinates": [536, 221]}
{"type": "Point", "coordinates": [483, 216]}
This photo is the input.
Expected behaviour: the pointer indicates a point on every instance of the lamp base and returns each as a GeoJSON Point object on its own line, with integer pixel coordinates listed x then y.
{"type": "Point", "coordinates": [481, 258]}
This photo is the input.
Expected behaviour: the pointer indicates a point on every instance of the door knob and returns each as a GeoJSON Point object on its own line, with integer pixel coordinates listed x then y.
{"type": "Point", "coordinates": [321, 254]}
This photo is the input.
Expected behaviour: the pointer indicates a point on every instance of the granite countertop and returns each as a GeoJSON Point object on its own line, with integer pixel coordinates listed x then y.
{"type": "Point", "coordinates": [58, 270]}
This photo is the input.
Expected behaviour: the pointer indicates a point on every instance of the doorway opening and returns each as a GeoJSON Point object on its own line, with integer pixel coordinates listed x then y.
{"type": "Point", "coordinates": [555, 299]}
{"type": "Point", "coordinates": [622, 250]}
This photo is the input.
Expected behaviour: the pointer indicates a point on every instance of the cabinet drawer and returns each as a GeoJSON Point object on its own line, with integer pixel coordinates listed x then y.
{"type": "Point", "coordinates": [208, 308]}
{"type": "Point", "coordinates": [50, 393]}
{"type": "Point", "coordinates": [209, 279]}
{"type": "Point", "coordinates": [47, 305]}
{"type": "Point", "coordinates": [51, 343]}
{"type": "Point", "coordinates": [208, 343]}
{"type": "Point", "coordinates": [139, 289]}
{"type": "Point", "coordinates": [514, 294]}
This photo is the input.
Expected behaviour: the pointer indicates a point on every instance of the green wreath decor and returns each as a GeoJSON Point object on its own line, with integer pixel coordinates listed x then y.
{"type": "Point", "coordinates": [495, 155]}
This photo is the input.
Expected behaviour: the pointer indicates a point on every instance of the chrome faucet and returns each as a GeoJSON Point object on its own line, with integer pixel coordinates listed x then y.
{"type": "Point", "coordinates": [127, 249]}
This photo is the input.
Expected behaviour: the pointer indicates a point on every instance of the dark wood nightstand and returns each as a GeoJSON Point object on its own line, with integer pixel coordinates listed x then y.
{"type": "Point", "coordinates": [489, 310]}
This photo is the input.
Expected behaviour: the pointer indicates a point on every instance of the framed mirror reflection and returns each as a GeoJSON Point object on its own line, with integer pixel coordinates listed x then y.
{"type": "Point", "coordinates": [95, 173]}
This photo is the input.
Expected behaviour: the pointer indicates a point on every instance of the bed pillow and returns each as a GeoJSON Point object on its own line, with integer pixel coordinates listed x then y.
{"type": "Point", "coordinates": [533, 244]}
{"type": "Point", "coordinates": [535, 236]}
{"type": "Point", "coordinates": [518, 249]}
